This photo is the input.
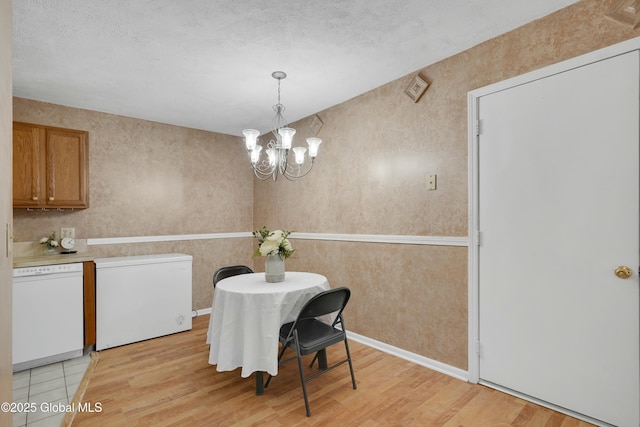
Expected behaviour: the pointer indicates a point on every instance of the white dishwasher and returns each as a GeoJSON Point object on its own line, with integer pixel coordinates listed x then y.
{"type": "Point", "coordinates": [48, 322]}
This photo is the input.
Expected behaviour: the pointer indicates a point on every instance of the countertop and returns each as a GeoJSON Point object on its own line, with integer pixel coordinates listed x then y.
{"type": "Point", "coordinates": [32, 261]}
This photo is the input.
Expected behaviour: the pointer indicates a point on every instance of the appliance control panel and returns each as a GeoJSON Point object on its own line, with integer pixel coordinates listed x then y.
{"type": "Point", "coordinates": [47, 269]}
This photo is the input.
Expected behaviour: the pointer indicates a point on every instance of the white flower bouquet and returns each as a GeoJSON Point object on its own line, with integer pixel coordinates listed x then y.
{"type": "Point", "coordinates": [50, 241]}
{"type": "Point", "coordinates": [273, 243]}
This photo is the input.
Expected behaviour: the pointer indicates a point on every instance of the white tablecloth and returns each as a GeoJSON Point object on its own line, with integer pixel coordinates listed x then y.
{"type": "Point", "coordinates": [247, 314]}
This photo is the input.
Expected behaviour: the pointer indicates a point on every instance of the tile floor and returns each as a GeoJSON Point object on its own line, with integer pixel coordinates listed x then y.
{"type": "Point", "coordinates": [47, 386]}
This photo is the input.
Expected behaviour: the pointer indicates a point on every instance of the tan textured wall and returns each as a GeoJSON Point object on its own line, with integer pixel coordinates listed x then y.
{"type": "Point", "coordinates": [5, 208]}
{"type": "Point", "coordinates": [370, 179]}
{"type": "Point", "coordinates": [150, 179]}
{"type": "Point", "coordinates": [154, 179]}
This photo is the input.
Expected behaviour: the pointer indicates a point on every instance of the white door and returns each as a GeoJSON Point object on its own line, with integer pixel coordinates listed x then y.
{"type": "Point", "coordinates": [558, 212]}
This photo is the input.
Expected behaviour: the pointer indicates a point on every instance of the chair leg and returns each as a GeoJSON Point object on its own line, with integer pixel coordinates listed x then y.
{"type": "Point", "coordinates": [353, 378]}
{"type": "Point", "coordinates": [314, 360]}
{"type": "Point", "coordinates": [302, 379]}
{"type": "Point", "coordinates": [321, 357]}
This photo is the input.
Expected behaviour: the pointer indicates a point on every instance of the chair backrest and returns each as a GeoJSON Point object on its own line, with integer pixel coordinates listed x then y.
{"type": "Point", "coordinates": [229, 271]}
{"type": "Point", "coordinates": [327, 302]}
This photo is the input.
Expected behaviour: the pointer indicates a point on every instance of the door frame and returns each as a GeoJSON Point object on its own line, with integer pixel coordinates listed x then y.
{"type": "Point", "coordinates": [473, 189]}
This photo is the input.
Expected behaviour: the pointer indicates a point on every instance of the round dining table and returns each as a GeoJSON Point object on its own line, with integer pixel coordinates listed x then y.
{"type": "Point", "coordinates": [246, 316]}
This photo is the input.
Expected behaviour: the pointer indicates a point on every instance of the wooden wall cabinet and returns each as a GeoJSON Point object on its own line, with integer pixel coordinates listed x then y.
{"type": "Point", "coordinates": [50, 167]}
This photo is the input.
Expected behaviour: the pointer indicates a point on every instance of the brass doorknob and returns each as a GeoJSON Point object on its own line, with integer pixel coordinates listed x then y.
{"type": "Point", "coordinates": [623, 272]}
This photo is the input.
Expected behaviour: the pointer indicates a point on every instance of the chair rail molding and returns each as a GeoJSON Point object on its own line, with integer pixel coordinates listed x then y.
{"type": "Point", "coordinates": [164, 238]}
{"type": "Point", "coordinates": [386, 238]}
{"type": "Point", "coordinates": [363, 238]}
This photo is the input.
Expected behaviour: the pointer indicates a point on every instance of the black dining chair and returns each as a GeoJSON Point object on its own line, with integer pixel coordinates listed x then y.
{"type": "Point", "coordinates": [308, 334]}
{"type": "Point", "coordinates": [229, 271]}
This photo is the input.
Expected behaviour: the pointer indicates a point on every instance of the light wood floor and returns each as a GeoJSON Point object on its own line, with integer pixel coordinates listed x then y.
{"type": "Point", "coordinates": [168, 382]}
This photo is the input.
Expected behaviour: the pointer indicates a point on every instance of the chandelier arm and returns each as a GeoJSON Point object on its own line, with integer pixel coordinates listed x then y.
{"type": "Point", "coordinates": [283, 161]}
{"type": "Point", "coordinates": [292, 177]}
{"type": "Point", "coordinates": [263, 177]}
{"type": "Point", "coordinates": [263, 171]}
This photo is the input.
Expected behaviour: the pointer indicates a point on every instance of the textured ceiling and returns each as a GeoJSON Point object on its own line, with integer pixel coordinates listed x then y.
{"type": "Point", "coordinates": [207, 64]}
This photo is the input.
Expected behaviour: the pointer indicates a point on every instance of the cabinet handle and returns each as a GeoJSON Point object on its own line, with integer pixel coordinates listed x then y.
{"type": "Point", "coordinates": [51, 199]}
{"type": "Point", "coordinates": [35, 198]}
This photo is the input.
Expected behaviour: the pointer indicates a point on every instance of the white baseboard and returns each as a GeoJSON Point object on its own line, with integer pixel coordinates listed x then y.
{"type": "Point", "coordinates": [394, 351]}
{"type": "Point", "coordinates": [546, 404]}
{"type": "Point", "coordinates": [202, 311]}
{"type": "Point", "coordinates": [411, 357]}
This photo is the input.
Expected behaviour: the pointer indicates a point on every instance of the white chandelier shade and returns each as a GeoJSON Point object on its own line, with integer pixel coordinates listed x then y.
{"type": "Point", "coordinates": [276, 161]}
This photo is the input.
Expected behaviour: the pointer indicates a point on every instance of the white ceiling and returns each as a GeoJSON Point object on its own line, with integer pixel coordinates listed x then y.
{"type": "Point", "coordinates": [207, 64]}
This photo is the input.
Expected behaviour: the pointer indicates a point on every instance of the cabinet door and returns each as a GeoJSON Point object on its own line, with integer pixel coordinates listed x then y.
{"type": "Point", "coordinates": [67, 168]}
{"type": "Point", "coordinates": [28, 165]}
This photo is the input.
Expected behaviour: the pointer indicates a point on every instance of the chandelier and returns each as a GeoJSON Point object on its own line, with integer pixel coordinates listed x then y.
{"type": "Point", "coordinates": [277, 161]}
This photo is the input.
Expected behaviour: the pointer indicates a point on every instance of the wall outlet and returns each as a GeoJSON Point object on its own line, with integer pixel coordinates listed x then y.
{"type": "Point", "coordinates": [68, 232]}
{"type": "Point", "coordinates": [431, 182]}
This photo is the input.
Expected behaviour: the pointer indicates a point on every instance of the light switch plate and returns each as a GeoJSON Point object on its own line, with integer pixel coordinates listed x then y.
{"type": "Point", "coordinates": [431, 182]}
{"type": "Point", "coordinates": [67, 232]}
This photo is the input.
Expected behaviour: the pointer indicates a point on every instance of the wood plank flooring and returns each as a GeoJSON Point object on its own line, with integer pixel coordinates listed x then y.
{"type": "Point", "coordinates": [168, 381]}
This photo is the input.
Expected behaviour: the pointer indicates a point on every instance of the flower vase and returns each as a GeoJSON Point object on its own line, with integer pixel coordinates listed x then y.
{"type": "Point", "coordinates": [274, 269]}
{"type": "Point", "coordinates": [50, 251]}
